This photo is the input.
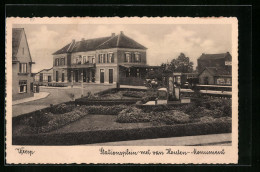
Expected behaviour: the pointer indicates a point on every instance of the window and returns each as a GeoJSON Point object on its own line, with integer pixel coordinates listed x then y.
{"type": "Point", "coordinates": [137, 73]}
{"type": "Point", "coordinates": [23, 86]}
{"type": "Point", "coordinates": [128, 72]}
{"type": "Point", "coordinates": [137, 57]}
{"type": "Point", "coordinates": [62, 61]}
{"type": "Point", "coordinates": [45, 77]}
{"type": "Point", "coordinates": [104, 58]}
{"type": "Point", "coordinates": [127, 57]}
{"type": "Point", "coordinates": [79, 59]}
{"type": "Point", "coordinates": [110, 58]}
{"type": "Point", "coordinates": [93, 61]}
{"type": "Point", "coordinates": [84, 59]}
{"type": "Point", "coordinates": [23, 68]}
{"type": "Point", "coordinates": [37, 77]}
{"type": "Point", "coordinates": [23, 50]}
{"type": "Point", "coordinates": [57, 62]}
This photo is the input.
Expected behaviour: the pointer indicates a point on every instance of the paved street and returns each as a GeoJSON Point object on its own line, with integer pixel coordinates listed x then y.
{"type": "Point", "coordinates": [57, 95]}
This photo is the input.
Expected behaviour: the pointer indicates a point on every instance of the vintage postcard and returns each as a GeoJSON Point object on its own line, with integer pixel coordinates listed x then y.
{"type": "Point", "coordinates": [150, 90]}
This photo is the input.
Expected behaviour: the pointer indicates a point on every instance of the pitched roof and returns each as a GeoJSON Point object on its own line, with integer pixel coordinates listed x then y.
{"type": "Point", "coordinates": [218, 71]}
{"type": "Point", "coordinates": [121, 41]}
{"type": "Point", "coordinates": [16, 38]}
{"type": "Point", "coordinates": [44, 70]}
{"type": "Point", "coordinates": [118, 41]}
{"type": "Point", "coordinates": [214, 56]}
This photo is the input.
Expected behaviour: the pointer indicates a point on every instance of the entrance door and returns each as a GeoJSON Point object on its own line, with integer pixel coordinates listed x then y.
{"type": "Point", "coordinates": [102, 77]}
{"type": "Point", "coordinates": [49, 78]}
{"type": "Point", "coordinates": [110, 76]}
{"type": "Point", "coordinates": [84, 76]}
{"type": "Point", "coordinates": [76, 76]}
{"type": "Point", "coordinates": [62, 77]}
{"type": "Point", "coordinates": [57, 76]}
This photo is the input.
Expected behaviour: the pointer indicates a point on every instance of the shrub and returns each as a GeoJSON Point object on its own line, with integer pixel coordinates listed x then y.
{"type": "Point", "coordinates": [171, 117]}
{"type": "Point", "coordinates": [135, 94]}
{"type": "Point", "coordinates": [63, 108]}
{"type": "Point", "coordinates": [61, 120]}
{"type": "Point", "coordinates": [206, 119]}
{"type": "Point", "coordinates": [106, 110]}
{"type": "Point", "coordinates": [39, 119]}
{"type": "Point", "coordinates": [131, 115]}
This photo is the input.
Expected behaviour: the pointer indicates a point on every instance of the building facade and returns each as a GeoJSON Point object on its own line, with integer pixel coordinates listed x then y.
{"type": "Point", "coordinates": [106, 60]}
{"type": "Point", "coordinates": [214, 76]}
{"type": "Point", "coordinates": [22, 79]}
{"type": "Point", "coordinates": [215, 69]}
{"type": "Point", "coordinates": [220, 61]}
{"type": "Point", "coordinates": [44, 77]}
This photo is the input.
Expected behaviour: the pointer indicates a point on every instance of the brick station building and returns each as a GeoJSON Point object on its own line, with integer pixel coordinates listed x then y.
{"type": "Point", "coordinates": [106, 60]}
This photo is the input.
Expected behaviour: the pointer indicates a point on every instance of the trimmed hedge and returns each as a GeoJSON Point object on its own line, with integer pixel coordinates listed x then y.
{"type": "Point", "coordinates": [101, 136]}
{"type": "Point", "coordinates": [108, 102]}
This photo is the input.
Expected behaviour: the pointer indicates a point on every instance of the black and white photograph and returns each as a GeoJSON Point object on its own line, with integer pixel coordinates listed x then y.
{"type": "Point", "coordinates": [122, 88]}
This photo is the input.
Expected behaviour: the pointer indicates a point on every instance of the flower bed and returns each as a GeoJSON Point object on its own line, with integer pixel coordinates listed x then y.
{"type": "Point", "coordinates": [133, 115]}
{"type": "Point", "coordinates": [45, 122]}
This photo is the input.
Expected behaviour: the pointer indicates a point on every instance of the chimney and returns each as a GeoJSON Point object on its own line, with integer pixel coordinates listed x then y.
{"type": "Point", "coordinates": [121, 32]}
{"type": "Point", "coordinates": [82, 39]}
{"type": "Point", "coordinates": [73, 40]}
{"type": "Point", "coordinates": [113, 34]}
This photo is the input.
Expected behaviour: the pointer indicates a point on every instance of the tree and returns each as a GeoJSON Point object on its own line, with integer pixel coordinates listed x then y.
{"type": "Point", "coordinates": [181, 64]}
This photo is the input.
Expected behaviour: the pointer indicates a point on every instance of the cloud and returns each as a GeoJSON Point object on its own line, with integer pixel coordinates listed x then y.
{"type": "Point", "coordinates": [43, 42]}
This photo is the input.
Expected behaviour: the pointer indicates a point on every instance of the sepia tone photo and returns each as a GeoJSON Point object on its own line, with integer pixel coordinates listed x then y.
{"type": "Point", "coordinates": [122, 90]}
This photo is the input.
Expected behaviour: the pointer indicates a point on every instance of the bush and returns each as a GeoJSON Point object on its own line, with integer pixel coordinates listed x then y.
{"type": "Point", "coordinates": [132, 115]}
{"type": "Point", "coordinates": [63, 108]}
{"type": "Point", "coordinates": [106, 110]}
{"type": "Point", "coordinates": [135, 94]}
{"type": "Point", "coordinates": [61, 120]}
{"type": "Point", "coordinates": [171, 117]}
{"type": "Point", "coordinates": [38, 120]}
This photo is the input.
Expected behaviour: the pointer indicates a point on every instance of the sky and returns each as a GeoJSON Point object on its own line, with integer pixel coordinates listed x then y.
{"type": "Point", "coordinates": [164, 41]}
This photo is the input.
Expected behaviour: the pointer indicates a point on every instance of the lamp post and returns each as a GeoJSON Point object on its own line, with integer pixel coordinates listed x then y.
{"type": "Point", "coordinates": [71, 79]}
{"type": "Point", "coordinates": [81, 84]}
